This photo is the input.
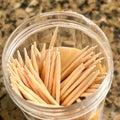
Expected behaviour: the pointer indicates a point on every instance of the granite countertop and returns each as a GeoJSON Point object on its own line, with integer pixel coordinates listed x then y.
{"type": "Point", "coordinates": [105, 13]}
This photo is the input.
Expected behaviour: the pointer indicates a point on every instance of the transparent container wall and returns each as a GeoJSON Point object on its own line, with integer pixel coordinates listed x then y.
{"type": "Point", "coordinates": [95, 114]}
{"type": "Point", "coordinates": [67, 37]}
{"type": "Point", "coordinates": [73, 31]}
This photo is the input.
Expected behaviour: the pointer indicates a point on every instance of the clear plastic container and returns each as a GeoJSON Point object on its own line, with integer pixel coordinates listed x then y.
{"type": "Point", "coordinates": [75, 30]}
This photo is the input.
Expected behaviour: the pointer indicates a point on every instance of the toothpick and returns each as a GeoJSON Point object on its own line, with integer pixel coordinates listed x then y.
{"type": "Point", "coordinates": [85, 94]}
{"type": "Point", "coordinates": [77, 70]}
{"type": "Point", "coordinates": [40, 80]}
{"type": "Point", "coordinates": [20, 58]}
{"type": "Point", "coordinates": [80, 58]}
{"type": "Point", "coordinates": [72, 78]}
{"type": "Point", "coordinates": [51, 77]}
{"type": "Point", "coordinates": [95, 85]}
{"type": "Point", "coordinates": [91, 90]}
{"type": "Point", "coordinates": [18, 65]}
{"type": "Point", "coordinates": [54, 37]}
{"type": "Point", "coordinates": [57, 76]}
{"type": "Point", "coordinates": [26, 94]}
{"type": "Point", "coordinates": [99, 79]}
{"type": "Point", "coordinates": [33, 94]}
{"type": "Point", "coordinates": [42, 58]}
{"type": "Point", "coordinates": [101, 67]}
{"type": "Point", "coordinates": [29, 93]}
{"type": "Point", "coordinates": [78, 100]}
{"type": "Point", "coordinates": [78, 81]}
{"type": "Point", "coordinates": [26, 57]}
{"type": "Point", "coordinates": [37, 53]}
{"type": "Point", "coordinates": [43, 71]}
{"type": "Point", "coordinates": [54, 78]}
{"type": "Point", "coordinates": [80, 89]}
{"type": "Point", "coordinates": [89, 62]}
{"type": "Point", "coordinates": [83, 50]}
{"type": "Point", "coordinates": [35, 74]}
{"type": "Point", "coordinates": [86, 57]}
{"type": "Point", "coordinates": [42, 91]}
{"type": "Point", "coordinates": [12, 68]}
{"type": "Point", "coordinates": [97, 61]}
{"type": "Point", "coordinates": [92, 59]}
{"type": "Point", "coordinates": [33, 59]}
{"type": "Point", "coordinates": [14, 87]}
{"type": "Point", "coordinates": [21, 75]}
{"type": "Point", "coordinates": [32, 81]}
{"type": "Point", "coordinates": [47, 67]}
{"type": "Point", "coordinates": [12, 60]}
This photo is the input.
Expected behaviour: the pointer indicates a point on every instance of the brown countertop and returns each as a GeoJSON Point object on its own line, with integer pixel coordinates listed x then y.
{"type": "Point", "coordinates": [105, 13]}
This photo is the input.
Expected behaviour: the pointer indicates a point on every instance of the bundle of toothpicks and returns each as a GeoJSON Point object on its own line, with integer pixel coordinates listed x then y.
{"type": "Point", "coordinates": [40, 79]}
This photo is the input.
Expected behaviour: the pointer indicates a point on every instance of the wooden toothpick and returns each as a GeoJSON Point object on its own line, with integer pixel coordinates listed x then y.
{"type": "Point", "coordinates": [54, 38]}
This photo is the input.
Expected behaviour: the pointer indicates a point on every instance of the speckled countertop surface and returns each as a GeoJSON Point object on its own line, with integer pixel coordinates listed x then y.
{"type": "Point", "coordinates": [105, 13]}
